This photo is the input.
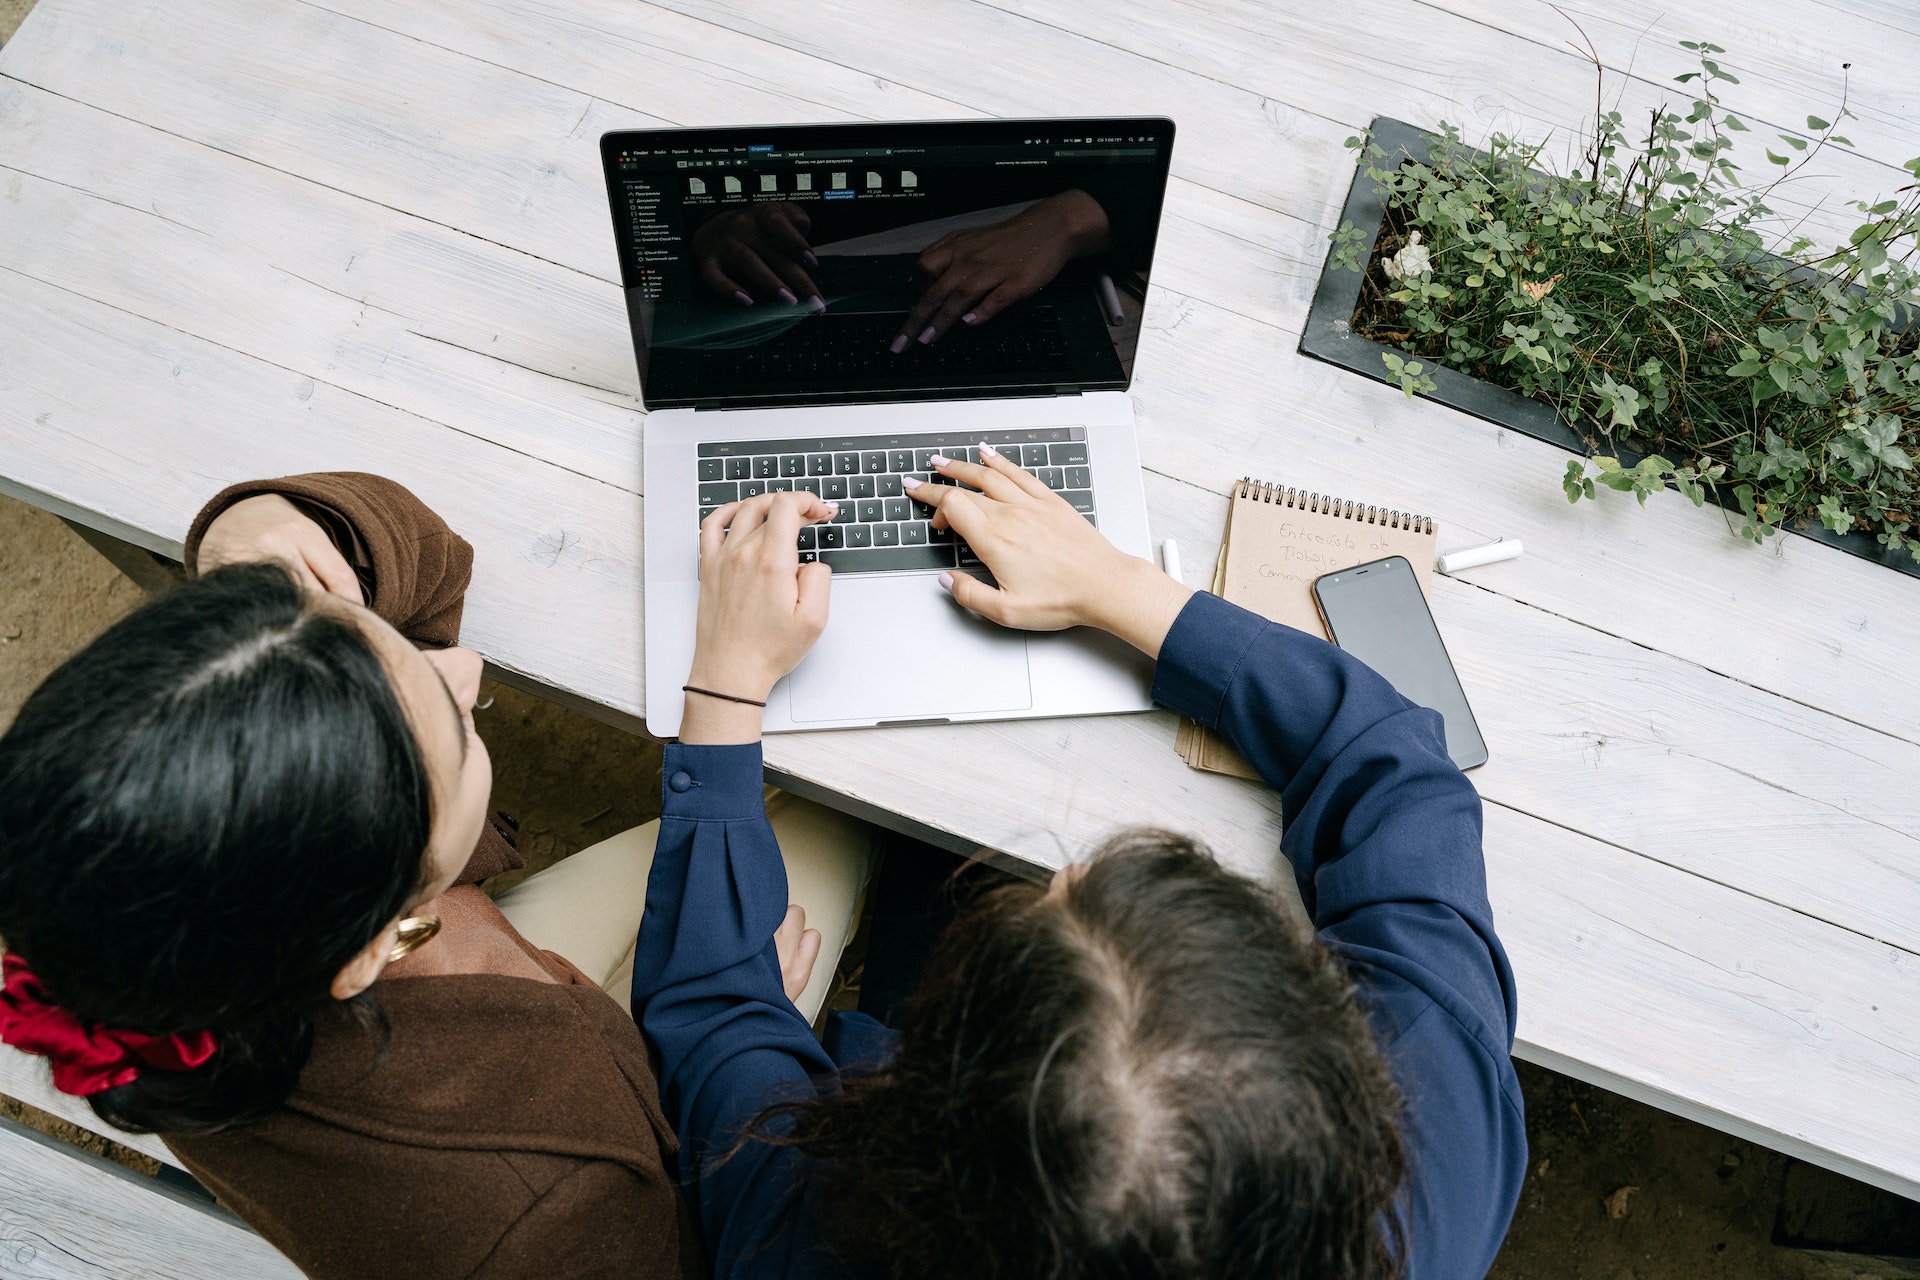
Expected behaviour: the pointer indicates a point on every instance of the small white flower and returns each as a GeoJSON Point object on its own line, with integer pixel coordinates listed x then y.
{"type": "Point", "coordinates": [1410, 261]}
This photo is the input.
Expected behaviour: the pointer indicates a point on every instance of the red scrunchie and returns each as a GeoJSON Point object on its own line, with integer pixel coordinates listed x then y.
{"type": "Point", "coordinates": [86, 1059]}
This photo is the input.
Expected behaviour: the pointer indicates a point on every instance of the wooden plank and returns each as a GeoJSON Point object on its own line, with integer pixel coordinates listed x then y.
{"type": "Point", "coordinates": [1710, 1003]}
{"type": "Point", "coordinates": [25, 1077]}
{"type": "Point", "coordinates": [562, 548]}
{"type": "Point", "coordinates": [1476, 72]}
{"type": "Point", "coordinates": [67, 1215]}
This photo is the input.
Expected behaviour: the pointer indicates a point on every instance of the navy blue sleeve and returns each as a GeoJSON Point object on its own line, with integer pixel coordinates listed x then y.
{"type": "Point", "coordinates": [1383, 834]}
{"type": "Point", "coordinates": [707, 987]}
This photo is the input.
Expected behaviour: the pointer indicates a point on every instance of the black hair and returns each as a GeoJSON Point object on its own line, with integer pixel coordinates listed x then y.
{"type": "Point", "coordinates": [1158, 1074]}
{"type": "Point", "coordinates": [204, 815]}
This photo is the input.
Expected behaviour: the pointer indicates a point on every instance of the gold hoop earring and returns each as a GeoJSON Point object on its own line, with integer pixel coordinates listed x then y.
{"type": "Point", "coordinates": [415, 932]}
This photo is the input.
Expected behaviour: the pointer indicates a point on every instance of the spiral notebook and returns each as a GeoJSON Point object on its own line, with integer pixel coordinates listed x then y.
{"type": "Point", "coordinates": [1278, 541]}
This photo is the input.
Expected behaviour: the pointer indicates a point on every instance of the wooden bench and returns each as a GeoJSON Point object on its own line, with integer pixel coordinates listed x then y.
{"type": "Point", "coordinates": [65, 1213]}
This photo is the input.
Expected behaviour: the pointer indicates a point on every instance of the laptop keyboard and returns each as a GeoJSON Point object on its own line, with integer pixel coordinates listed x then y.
{"type": "Point", "coordinates": [879, 529]}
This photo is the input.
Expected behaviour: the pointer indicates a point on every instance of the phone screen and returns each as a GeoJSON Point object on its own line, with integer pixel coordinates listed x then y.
{"type": "Point", "coordinates": [1376, 613]}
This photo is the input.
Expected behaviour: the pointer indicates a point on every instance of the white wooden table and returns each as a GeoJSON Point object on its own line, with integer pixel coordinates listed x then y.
{"type": "Point", "coordinates": [252, 237]}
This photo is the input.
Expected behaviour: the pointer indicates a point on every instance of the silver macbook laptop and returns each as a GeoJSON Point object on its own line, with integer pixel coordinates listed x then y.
{"type": "Point", "coordinates": [822, 307]}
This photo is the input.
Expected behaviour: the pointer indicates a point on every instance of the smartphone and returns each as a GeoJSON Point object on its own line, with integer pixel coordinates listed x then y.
{"type": "Point", "coordinates": [1376, 612]}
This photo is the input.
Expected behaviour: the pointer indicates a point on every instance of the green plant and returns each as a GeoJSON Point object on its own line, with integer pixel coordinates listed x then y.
{"type": "Point", "coordinates": [1647, 294]}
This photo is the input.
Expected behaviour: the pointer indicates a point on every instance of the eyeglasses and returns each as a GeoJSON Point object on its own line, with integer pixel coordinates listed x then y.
{"type": "Point", "coordinates": [415, 932]}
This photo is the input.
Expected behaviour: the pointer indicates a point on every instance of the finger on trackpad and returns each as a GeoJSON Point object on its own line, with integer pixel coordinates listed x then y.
{"type": "Point", "coordinates": [900, 649]}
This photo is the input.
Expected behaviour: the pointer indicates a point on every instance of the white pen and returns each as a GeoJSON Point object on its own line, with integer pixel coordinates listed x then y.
{"type": "Point", "coordinates": [1170, 558]}
{"type": "Point", "coordinates": [1474, 557]}
{"type": "Point", "coordinates": [1110, 298]}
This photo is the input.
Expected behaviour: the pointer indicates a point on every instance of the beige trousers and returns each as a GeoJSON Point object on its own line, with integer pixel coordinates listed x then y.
{"type": "Point", "coordinates": [588, 907]}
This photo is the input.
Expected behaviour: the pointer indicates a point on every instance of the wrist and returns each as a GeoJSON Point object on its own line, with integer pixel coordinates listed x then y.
{"type": "Point", "coordinates": [716, 722]}
{"type": "Point", "coordinates": [1142, 605]}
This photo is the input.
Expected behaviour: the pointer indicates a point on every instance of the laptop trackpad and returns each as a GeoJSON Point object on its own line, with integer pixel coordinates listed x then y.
{"type": "Point", "coordinates": [898, 648]}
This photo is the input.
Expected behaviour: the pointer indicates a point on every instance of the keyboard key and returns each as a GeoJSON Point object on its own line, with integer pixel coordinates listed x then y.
{"type": "Point", "coordinates": [886, 535]}
{"type": "Point", "coordinates": [1079, 478]}
{"type": "Point", "coordinates": [719, 493]}
{"type": "Point", "coordinates": [939, 537]}
{"type": "Point", "coordinates": [831, 538]}
{"type": "Point", "coordinates": [766, 468]}
{"type": "Point", "coordinates": [890, 486]}
{"type": "Point", "coordinates": [859, 535]}
{"type": "Point", "coordinates": [899, 509]}
{"type": "Point", "coordinates": [1033, 456]}
{"type": "Point", "coordinates": [874, 462]}
{"type": "Point", "coordinates": [713, 469]}
{"type": "Point", "coordinates": [846, 464]}
{"type": "Point", "coordinates": [739, 468]}
{"type": "Point", "coordinates": [705, 512]}
{"type": "Point", "coordinates": [779, 486]}
{"type": "Point", "coordinates": [808, 557]}
{"type": "Point", "coordinates": [844, 515]}
{"type": "Point", "coordinates": [877, 559]}
{"type": "Point", "coordinates": [1082, 500]}
{"type": "Point", "coordinates": [819, 464]}
{"type": "Point", "coordinates": [1067, 455]}
{"type": "Point", "coordinates": [924, 477]}
{"type": "Point", "coordinates": [913, 533]}
{"type": "Point", "coordinates": [810, 485]}
{"type": "Point", "coordinates": [923, 459]}
{"type": "Point", "coordinates": [834, 489]}
{"type": "Point", "coordinates": [968, 560]}
{"type": "Point", "coordinates": [793, 464]}
{"type": "Point", "coordinates": [752, 488]}
{"type": "Point", "coordinates": [899, 460]}
{"type": "Point", "coordinates": [807, 537]}
{"type": "Point", "coordinates": [871, 509]}
{"type": "Point", "coordinates": [861, 486]}
{"type": "Point", "coordinates": [1053, 477]}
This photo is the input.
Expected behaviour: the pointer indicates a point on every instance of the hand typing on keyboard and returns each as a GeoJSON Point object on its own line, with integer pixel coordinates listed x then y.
{"type": "Point", "coordinates": [1054, 569]}
{"type": "Point", "coordinates": [760, 611]}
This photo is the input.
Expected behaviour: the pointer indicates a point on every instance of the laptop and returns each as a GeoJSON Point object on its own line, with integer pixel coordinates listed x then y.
{"type": "Point", "coordinates": [823, 308]}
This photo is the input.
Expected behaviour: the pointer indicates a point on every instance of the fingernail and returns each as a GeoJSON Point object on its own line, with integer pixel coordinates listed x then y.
{"type": "Point", "coordinates": [969, 318]}
{"type": "Point", "coordinates": [899, 344]}
{"type": "Point", "coordinates": [742, 297]}
{"type": "Point", "coordinates": [816, 302]}
{"type": "Point", "coordinates": [834, 507]}
{"type": "Point", "coordinates": [786, 296]}
{"type": "Point", "coordinates": [939, 460]}
{"type": "Point", "coordinates": [806, 256]}
{"type": "Point", "coordinates": [946, 582]}
{"type": "Point", "coordinates": [926, 335]}
{"type": "Point", "coordinates": [908, 482]}
{"type": "Point", "coordinates": [988, 451]}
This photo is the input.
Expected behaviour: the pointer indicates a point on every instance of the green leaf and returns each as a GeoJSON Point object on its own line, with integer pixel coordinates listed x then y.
{"type": "Point", "coordinates": [1834, 515]}
{"type": "Point", "coordinates": [1816, 124]}
{"type": "Point", "coordinates": [1734, 124]}
{"type": "Point", "coordinates": [1777, 159]}
{"type": "Point", "coordinates": [1798, 144]}
{"type": "Point", "coordinates": [1691, 75]}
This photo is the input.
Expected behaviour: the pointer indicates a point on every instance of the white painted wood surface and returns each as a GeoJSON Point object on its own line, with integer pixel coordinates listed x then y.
{"type": "Point", "coordinates": [66, 1215]}
{"type": "Point", "coordinates": [243, 237]}
{"type": "Point", "coordinates": [26, 1078]}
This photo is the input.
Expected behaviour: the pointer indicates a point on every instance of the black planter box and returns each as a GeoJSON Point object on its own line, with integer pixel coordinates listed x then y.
{"type": "Point", "coordinates": [1329, 336]}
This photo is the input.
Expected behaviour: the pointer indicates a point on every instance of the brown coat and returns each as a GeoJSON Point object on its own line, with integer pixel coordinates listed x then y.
{"type": "Point", "coordinates": [497, 1126]}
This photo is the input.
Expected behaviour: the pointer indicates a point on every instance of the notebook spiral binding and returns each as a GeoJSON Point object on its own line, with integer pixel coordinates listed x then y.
{"type": "Point", "coordinates": [1260, 491]}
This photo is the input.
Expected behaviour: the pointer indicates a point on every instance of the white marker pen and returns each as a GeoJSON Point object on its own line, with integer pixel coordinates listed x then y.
{"type": "Point", "coordinates": [1170, 558]}
{"type": "Point", "coordinates": [1474, 557]}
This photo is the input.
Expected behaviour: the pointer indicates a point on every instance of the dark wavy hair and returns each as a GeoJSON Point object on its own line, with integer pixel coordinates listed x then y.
{"type": "Point", "coordinates": [1158, 1075]}
{"type": "Point", "coordinates": [203, 816]}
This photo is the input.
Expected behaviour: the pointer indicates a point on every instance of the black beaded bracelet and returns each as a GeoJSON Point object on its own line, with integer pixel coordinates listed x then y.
{"type": "Point", "coordinates": [724, 697]}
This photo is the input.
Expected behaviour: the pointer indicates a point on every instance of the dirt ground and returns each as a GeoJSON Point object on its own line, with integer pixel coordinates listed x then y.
{"type": "Point", "coordinates": [1702, 1205]}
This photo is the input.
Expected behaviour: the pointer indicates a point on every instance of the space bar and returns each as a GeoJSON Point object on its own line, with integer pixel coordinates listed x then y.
{"type": "Point", "coordinates": [875, 559]}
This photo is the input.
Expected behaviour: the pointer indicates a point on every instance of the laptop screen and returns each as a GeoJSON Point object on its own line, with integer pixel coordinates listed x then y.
{"type": "Point", "coordinates": [797, 264]}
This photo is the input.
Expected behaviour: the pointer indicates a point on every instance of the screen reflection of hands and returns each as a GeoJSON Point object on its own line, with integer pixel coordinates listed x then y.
{"type": "Point", "coordinates": [758, 253]}
{"type": "Point", "coordinates": [975, 274]}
